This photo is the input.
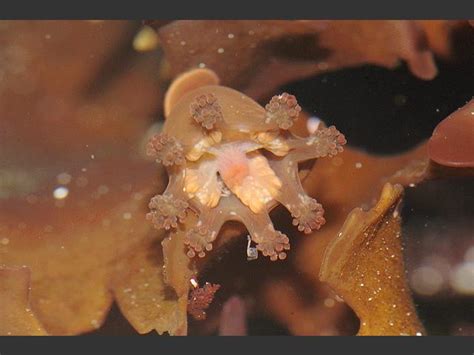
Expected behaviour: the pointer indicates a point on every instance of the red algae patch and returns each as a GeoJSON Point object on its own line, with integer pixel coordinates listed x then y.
{"type": "Point", "coordinates": [200, 299]}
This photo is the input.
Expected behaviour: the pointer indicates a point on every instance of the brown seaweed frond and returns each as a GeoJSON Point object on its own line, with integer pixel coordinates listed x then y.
{"type": "Point", "coordinates": [358, 262]}
{"type": "Point", "coordinates": [260, 56]}
{"type": "Point", "coordinates": [16, 315]}
{"type": "Point", "coordinates": [452, 142]}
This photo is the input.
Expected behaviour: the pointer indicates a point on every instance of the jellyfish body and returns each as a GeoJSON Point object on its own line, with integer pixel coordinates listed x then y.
{"type": "Point", "coordinates": [228, 158]}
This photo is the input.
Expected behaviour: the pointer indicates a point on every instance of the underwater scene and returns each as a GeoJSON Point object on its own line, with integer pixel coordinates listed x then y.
{"type": "Point", "coordinates": [237, 177]}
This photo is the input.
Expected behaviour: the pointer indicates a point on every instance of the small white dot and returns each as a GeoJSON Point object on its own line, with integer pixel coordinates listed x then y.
{"type": "Point", "coordinates": [323, 65]}
{"type": "Point", "coordinates": [102, 189]}
{"type": "Point", "coordinates": [60, 192]}
{"type": "Point", "coordinates": [220, 50]}
{"type": "Point", "coordinates": [82, 181]}
{"type": "Point", "coordinates": [138, 196]}
{"type": "Point", "coordinates": [329, 302]}
{"type": "Point", "coordinates": [194, 282]}
{"type": "Point", "coordinates": [230, 35]}
{"type": "Point", "coordinates": [48, 229]}
{"type": "Point", "coordinates": [127, 215]}
{"type": "Point", "coordinates": [462, 278]}
{"type": "Point", "coordinates": [63, 178]}
{"type": "Point", "coordinates": [426, 280]}
{"type": "Point", "coordinates": [202, 65]}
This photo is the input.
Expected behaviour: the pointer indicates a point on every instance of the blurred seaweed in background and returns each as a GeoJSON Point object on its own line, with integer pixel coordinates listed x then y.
{"type": "Point", "coordinates": [79, 101]}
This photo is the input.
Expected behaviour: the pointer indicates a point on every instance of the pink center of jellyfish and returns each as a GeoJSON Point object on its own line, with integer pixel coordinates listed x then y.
{"type": "Point", "coordinates": [233, 166]}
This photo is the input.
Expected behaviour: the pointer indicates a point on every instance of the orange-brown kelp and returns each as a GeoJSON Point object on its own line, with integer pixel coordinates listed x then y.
{"type": "Point", "coordinates": [452, 143]}
{"type": "Point", "coordinates": [257, 57]}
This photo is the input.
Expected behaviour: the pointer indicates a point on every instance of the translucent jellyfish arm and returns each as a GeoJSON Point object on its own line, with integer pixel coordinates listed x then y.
{"type": "Point", "coordinates": [307, 213]}
{"type": "Point", "coordinates": [169, 208]}
{"type": "Point", "coordinates": [200, 238]}
{"type": "Point", "coordinates": [270, 242]}
{"type": "Point", "coordinates": [322, 143]}
{"type": "Point", "coordinates": [176, 183]}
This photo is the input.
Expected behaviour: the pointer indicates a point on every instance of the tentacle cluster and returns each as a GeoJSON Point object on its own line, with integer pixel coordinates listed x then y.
{"type": "Point", "coordinates": [199, 241]}
{"type": "Point", "coordinates": [324, 142]}
{"type": "Point", "coordinates": [283, 110]}
{"type": "Point", "coordinates": [166, 211]}
{"type": "Point", "coordinates": [206, 111]}
{"type": "Point", "coordinates": [327, 142]}
{"type": "Point", "coordinates": [200, 238]}
{"type": "Point", "coordinates": [309, 215]}
{"type": "Point", "coordinates": [166, 150]}
{"type": "Point", "coordinates": [225, 175]}
{"type": "Point", "coordinates": [273, 245]}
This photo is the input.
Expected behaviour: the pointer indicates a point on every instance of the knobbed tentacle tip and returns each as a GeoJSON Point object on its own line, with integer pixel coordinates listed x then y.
{"type": "Point", "coordinates": [328, 141]}
{"type": "Point", "coordinates": [199, 241]}
{"type": "Point", "coordinates": [274, 245]}
{"type": "Point", "coordinates": [206, 111]}
{"type": "Point", "coordinates": [309, 215]}
{"type": "Point", "coordinates": [166, 211]}
{"type": "Point", "coordinates": [166, 149]}
{"type": "Point", "coordinates": [283, 110]}
{"type": "Point", "coordinates": [339, 140]}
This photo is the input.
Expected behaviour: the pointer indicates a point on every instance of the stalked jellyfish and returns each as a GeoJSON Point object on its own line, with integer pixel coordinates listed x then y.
{"type": "Point", "coordinates": [228, 158]}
